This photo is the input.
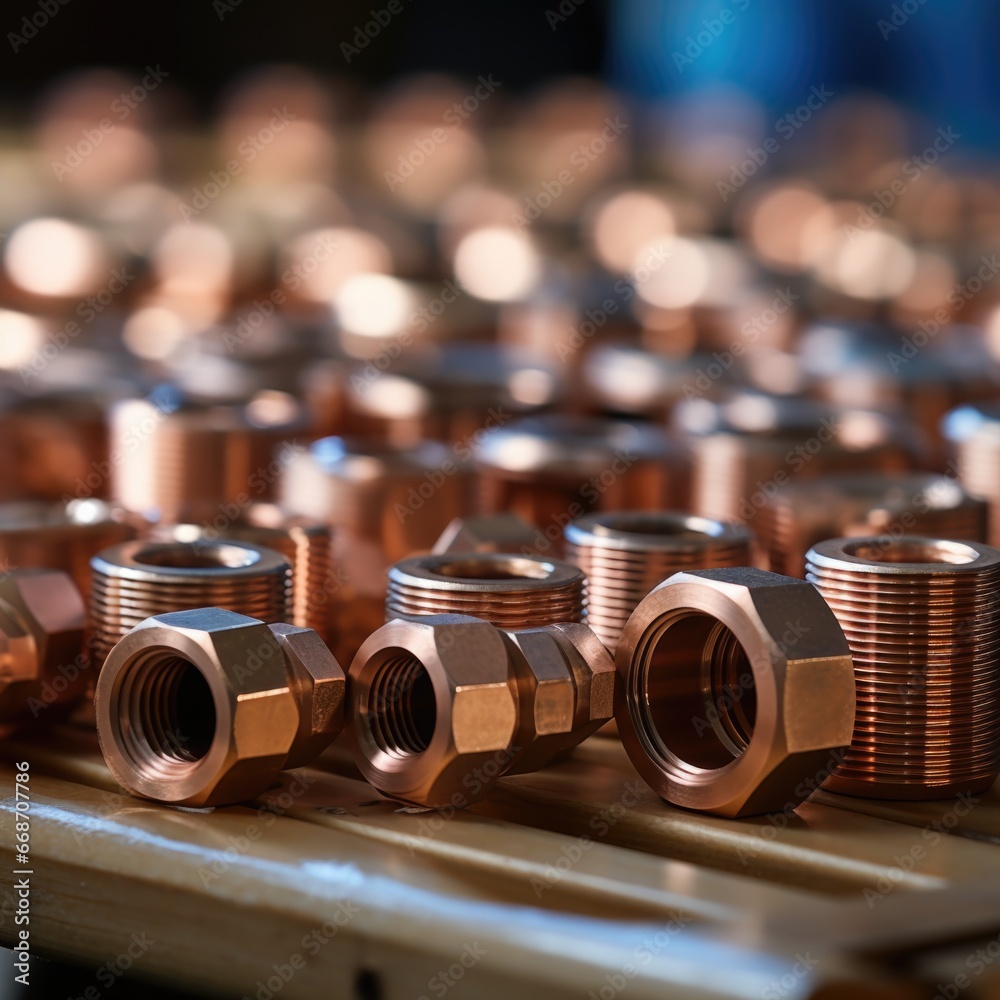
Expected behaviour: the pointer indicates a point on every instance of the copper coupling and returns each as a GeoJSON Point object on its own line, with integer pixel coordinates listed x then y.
{"type": "Point", "coordinates": [801, 514]}
{"type": "Point", "coordinates": [43, 672]}
{"type": "Point", "coordinates": [306, 545]}
{"type": "Point", "coordinates": [444, 705]}
{"type": "Point", "coordinates": [137, 580]}
{"type": "Point", "coordinates": [206, 707]}
{"type": "Point", "coordinates": [511, 591]}
{"type": "Point", "coordinates": [625, 554]}
{"type": "Point", "coordinates": [553, 469]}
{"type": "Point", "coordinates": [736, 691]}
{"type": "Point", "coordinates": [974, 434]}
{"type": "Point", "coordinates": [921, 618]}
{"type": "Point", "coordinates": [63, 536]}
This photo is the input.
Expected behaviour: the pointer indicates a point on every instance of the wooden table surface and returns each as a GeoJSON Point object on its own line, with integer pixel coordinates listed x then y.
{"type": "Point", "coordinates": [574, 882]}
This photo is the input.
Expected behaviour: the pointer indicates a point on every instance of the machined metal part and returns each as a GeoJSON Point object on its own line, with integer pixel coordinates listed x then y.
{"type": "Point", "coordinates": [921, 618]}
{"type": "Point", "coordinates": [206, 707]}
{"type": "Point", "coordinates": [443, 706]}
{"type": "Point", "coordinates": [139, 579]}
{"type": "Point", "coordinates": [625, 554]}
{"type": "Point", "coordinates": [736, 691]}
{"type": "Point", "coordinates": [492, 533]}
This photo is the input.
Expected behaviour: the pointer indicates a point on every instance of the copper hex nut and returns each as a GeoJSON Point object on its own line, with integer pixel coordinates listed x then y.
{"type": "Point", "coordinates": [737, 691]}
{"type": "Point", "coordinates": [434, 709]}
{"type": "Point", "coordinates": [206, 707]}
{"type": "Point", "coordinates": [566, 684]}
{"type": "Point", "coordinates": [490, 533]}
{"type": "Point", "coordinates": [42, 617]}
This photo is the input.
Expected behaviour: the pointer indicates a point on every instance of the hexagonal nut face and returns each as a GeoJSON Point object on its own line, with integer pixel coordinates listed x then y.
{"type": "Point", "coordinates": [738, 690]}
{"type": "Point", "coordinates": [490, 533]}
{"type": "Point", "coordinates": [42, 667]}
{"type": "Point", "coordinates": [196, 707]}
{"type": "Point", "coordinates": [433, 709]}
{"type": "Point", "coordinates": [319, 684]}
{"type": "Point", "coordinates": [565, 680]}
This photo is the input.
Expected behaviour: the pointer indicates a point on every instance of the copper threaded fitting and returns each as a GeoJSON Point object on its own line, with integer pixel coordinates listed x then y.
{"type": "Point", "coordinates": [305, 543]}
{"type": "Point", "coordinates": [799, 515]}
{"type": "Point", "coordinates": [511, 591]}
{"type": "Point", "coordinates": [442, 706]}
{"type": "Point", "coordinates": [136, 580]}
{"type": "Point", "coordinates": [494, 533]}
{"type": "Point", "coordinates": [625, 554]}
{"type": "Point", "coordinates": [206, 707]}
{"type": "Point", "coordinates": [737, 691]}
{"type": "Point", "coordinates": [974, 433]}
{"type": "Point", "coordinates": [42, 668]}
{"type": "Point", "coordinates": [64, 536]}
{"type": "Point", "coordinates": [921, 618]}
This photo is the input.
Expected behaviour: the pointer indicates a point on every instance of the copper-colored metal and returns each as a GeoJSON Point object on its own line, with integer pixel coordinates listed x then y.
{"type": "Point", "coordinates": [305, 543]}
{"type": "Point", "coordinates": [551, 470]}
{"type": "Point", "coordinates": [974, 433]}
{"type": "Point", "coordinates": [64, 536]}
{"type": "Point", "coordinates": [136, 580]}
{"type": "Point", "coordinates": [737, 691]}
{"type": "Point", "coordinates": [511, 591]}
{"type": "Point", "coordinates": [495, 533]}
{"type": "Point", "coordinates": [206, 707]}
{"type": "Point", "coordinates": [799, 515]}
{"type": "Point", "coordinates": [43, 672]}
{"type": "Point", "coordinates": [921, 617]}
{"type": "Point", "coordinates": [443, 706]}
{"type": "Point", "coordinates": [625, 554]}
{"type": "Point", "coordinates": [748, 446]}
{"type": "Point", "coordinates": [179, 463]}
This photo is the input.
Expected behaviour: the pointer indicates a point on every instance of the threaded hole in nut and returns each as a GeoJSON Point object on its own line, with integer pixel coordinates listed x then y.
{"type": "Point", "coordinates": [402, 707]}
{"type": "Point", "coordinates": [497, 569]}
{"type": "Point", "coordinates": [167, 711]}
{"type": "Point", "coordinates": [197, 555]}
{"type": "Point", "coordinates": [695, 699]}
{"type": "Point", "coordinates": [912, 550]}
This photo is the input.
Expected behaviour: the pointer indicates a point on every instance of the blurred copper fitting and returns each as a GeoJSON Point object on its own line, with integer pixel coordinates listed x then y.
{"type": "Point", "coordinates": [443, 706]}
{"type": "Point", "coordinates": [42, 667]}
{"type": "Point", "coordinates": [305, 544]}
{"type": "Point", "coordinates": [64, 536]}
{"type": "Point", "coordinates": [495, 533]}
{"type": "Point", "coordinates": [191, 462]}
{"type": "Point", "coordinates": [799, 515]}
{"type": "Point", "coordinates": [748, 446]}
{"type": "Point", "coordinates": [921, 617]}
{"type": "Point", "coordinates": [136, 580]}
{"type": "Point", "coordinates": [384, 504]}
{"type": "Point", "coordinates": [551, 470]}
{"type": "Point", "coordinates": [974, 433]}
{"type": "Point", "coordinates": [737, 691]}
{"type": "Point", "coordinates": [206, 707]}
{"type": "Point", "coordinates": [625, 554]}
{"type": "Point", "coordinates": [508, 590]}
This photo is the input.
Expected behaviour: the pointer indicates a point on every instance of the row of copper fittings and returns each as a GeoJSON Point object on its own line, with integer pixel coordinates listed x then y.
{"type": "Point", "coordinates": [735, 690]}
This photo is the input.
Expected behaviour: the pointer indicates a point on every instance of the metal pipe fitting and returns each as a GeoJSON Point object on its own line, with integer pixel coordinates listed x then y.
{"type": "Point", "coordinates": [305, 543]}
{"type": "Point", "coordinates": [921, 617]}
{"type": "Point", "coordinates": [42, 669]}
{"type": "Point", "coordinates": [443, 706]}
{"type": "Point", "coordinates": [801, 514]}
{"type": "Point", "coordinates": [136, 580]}
{"type": "Point", "coordinates": [511, 591]}
{"type": "Point", "coordinates": [737, 691]}
{"type": "Point", "coordinates": [206, 707]}
{"type": "Point", "coordinates": [495, 533]}
{"type": "Point", "coordinates": [625, 554]}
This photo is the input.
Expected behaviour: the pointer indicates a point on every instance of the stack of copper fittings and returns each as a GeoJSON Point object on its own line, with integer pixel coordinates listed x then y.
{"type": "Point", "coordinates": [921, 618]}
{"type": "Point", "coordinates": [747, 446]}
{"type": "Point", "coordinates": [305, 544]}
{"type": "Point", "coordinates": [511, 591]}
{"type": "Point", "coordinates": [625, 554]}
{"type": "Point", "coordinates": [801, 514]}
{"type": "Point", "coordinates": [136, 580]}
{"type": "Point", "coordinates": [551, 470]}
{"type": "Point", "coordinates": [974, 434]}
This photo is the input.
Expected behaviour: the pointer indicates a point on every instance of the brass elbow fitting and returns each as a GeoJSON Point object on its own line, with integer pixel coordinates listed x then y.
{"type": "Point", "coordinates": [207, 707]}
{"type": "Point", "coordinates": [737, 691]}
{"type": "Point", "coordinates": [444, 706]}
